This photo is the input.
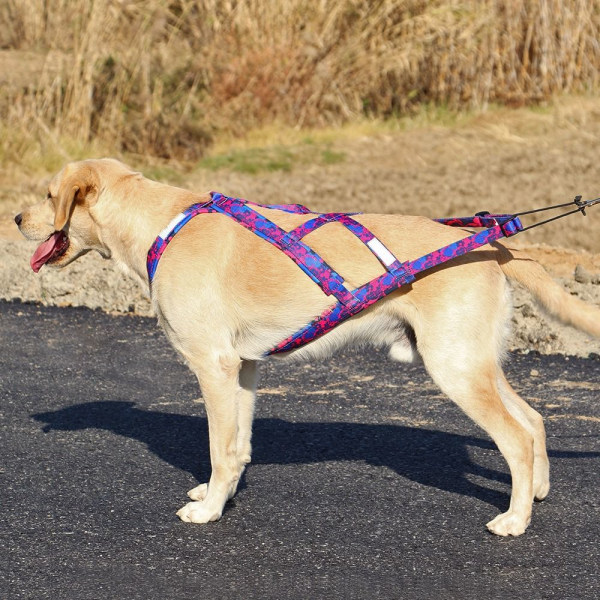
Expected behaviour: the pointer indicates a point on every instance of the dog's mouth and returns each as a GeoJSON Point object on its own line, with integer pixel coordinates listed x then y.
{"type": "Point", "coordinates": [53, 248]}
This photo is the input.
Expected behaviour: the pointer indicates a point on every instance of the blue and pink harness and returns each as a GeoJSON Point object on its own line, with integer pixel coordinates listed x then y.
{"type": "Point", "coordinates": [349, 301]}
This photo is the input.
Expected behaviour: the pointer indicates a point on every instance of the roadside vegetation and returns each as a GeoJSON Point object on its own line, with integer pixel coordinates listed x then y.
{"type": "Point", "coordinates": [173, 80]}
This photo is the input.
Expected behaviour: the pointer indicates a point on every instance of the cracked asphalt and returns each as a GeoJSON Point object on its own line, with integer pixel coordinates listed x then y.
{"type": "Point", "coordinates": [366, 482]}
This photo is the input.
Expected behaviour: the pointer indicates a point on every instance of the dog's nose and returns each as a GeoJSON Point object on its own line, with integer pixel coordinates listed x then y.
{"type": "Point", "coordinates": [18, 219]}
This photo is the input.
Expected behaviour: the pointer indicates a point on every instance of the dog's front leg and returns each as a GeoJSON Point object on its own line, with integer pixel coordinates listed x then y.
{"type": "Point", "coordinates": [245, 399]}
{"type": "Point", "coordinates": [222, 381]}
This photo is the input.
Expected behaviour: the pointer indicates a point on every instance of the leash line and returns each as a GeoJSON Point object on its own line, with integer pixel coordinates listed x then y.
{"type": "Point", "coordinates": [581, 206]}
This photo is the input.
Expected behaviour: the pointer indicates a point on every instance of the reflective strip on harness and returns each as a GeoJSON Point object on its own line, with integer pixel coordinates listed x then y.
{"type": "Point", "coordinates": [350, 302]}
{"type": "Point", "coordinates": [381, 252]}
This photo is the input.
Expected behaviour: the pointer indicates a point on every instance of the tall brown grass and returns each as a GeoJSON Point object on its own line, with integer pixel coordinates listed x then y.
{"type": "Point", "coordinates": [163, 76]}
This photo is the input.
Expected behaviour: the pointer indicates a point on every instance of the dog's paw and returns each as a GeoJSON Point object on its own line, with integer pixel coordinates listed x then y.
{"type": "Point", "coordinates": [541, 482]}
{"type": "Point", "coordinates": [199, 492]}
{"type": "Point", "coordinates": [198, 512]}
{"type": "Point", "coordinates": [541, 490]}
{"type": "Point", "coordinates": [508, 523]}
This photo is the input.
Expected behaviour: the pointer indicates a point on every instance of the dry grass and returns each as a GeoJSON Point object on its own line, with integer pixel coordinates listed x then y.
{"type": "Point", "coordinates": [164, 77]}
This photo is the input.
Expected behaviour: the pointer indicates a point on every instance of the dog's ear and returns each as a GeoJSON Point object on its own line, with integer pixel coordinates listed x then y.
{"type": "Point", "coordinates": [64, 204]}
{"type": "Point", "coordinates": [78, 187]}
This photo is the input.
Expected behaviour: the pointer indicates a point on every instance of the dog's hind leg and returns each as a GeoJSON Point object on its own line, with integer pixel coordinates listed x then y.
{"type": "Point", "coordinates": [533, 422]}
{"type": "Point", "coordinates": [459, 329]}
{"type": "Point", "coordinates": [459, 338]}
{"type": "Point", "coordinates": [222, 383]}
{"type": "Point", "coordinates": [472, 385]}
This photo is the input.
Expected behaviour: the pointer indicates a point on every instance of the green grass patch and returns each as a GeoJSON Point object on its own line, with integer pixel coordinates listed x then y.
{"type": "Point", "coordinates": [273, 158]}
{"type": "Point", "coordinates": [331, 157]}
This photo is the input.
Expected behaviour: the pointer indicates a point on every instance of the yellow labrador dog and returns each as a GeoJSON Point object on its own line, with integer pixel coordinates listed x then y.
{"type": "Point", "coordinates": [224, 297]}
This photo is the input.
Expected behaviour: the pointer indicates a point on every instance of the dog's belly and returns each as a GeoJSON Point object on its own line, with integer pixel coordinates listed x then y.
{"type": "Point", "coordinates": [375, 329]}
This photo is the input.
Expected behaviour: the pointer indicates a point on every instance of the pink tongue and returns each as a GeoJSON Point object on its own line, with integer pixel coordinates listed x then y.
{"type": "Point", "coordinates": [46, 250]}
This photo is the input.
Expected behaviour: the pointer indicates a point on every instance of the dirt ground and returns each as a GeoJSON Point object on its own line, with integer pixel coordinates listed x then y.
{"type": "Point", "coordinates": [503, 161]}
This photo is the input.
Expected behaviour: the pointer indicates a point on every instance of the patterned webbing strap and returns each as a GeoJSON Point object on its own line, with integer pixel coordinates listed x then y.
{"type": "Point", "coordinates": [349, 302]}
{"type": "Point", "coordinates": [168, 233]}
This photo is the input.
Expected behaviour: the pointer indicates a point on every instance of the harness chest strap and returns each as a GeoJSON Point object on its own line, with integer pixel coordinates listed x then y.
{"type": "Point", "coordinates": [349, 302]}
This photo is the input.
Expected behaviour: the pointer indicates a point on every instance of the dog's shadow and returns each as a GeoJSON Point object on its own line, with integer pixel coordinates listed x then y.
{"type": "Point", "coordinates": [433, 458]}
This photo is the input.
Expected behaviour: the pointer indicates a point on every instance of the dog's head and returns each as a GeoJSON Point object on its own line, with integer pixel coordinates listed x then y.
{"type": "Point", "coordinates": [63, 223]}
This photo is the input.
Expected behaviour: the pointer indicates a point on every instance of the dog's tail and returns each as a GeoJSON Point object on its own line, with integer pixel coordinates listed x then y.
{"type": "Point", "coordinates": [517, 265]}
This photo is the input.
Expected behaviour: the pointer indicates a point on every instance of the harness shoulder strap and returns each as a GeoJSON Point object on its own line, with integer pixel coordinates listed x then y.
{"type": "Point", "coordinates": [168, 233]}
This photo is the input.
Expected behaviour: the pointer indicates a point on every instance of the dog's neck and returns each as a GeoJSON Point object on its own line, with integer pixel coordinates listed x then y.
{"type": "Point", "coordinates": [142, 215]}
{"type": "Point", "coordinates": [129, 252]}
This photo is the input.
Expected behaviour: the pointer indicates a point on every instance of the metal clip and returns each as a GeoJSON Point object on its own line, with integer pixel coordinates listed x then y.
{"type": "Point", "coordinates": [581, 205]}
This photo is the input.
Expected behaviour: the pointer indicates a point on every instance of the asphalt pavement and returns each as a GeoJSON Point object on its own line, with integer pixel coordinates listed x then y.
{"type": "Point", "coordinates": [366, 481]}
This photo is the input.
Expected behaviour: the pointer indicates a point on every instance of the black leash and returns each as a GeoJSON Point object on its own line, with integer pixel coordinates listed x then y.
{"type": "Point", "coordinates": [581, 206]}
